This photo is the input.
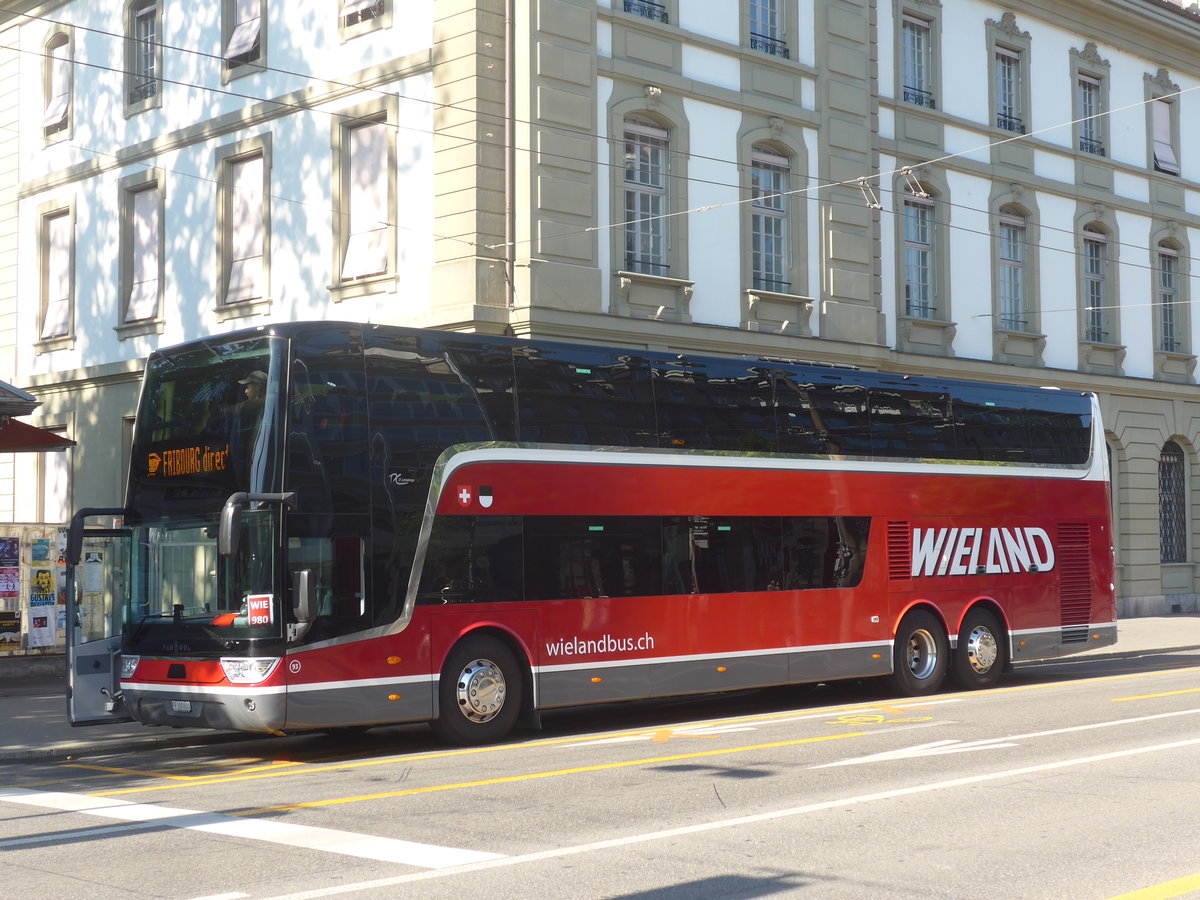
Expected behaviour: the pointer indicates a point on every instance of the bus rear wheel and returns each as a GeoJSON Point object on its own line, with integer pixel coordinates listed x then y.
{"type": "Point", "coordinates": [480, 692]}
{"type": "Point", "coordinates": [920, 655]}
{"type": "Point", "coordinates": [980, 657]}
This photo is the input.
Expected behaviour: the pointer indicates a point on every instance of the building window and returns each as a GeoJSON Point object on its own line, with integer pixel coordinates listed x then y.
{"type": "Point", "coordinates": [766, 28]}
{"type": "Point", "coordinates": [143, 50]}
{"type": "Point", "coordinates": [1095, 300]}
{"type": "Point", "coordinates": [1008, 90]}
{"type": "Point", "coordinates": [647, 10]}
{"type": "Point", "coordinates": [1089, 111]}
{"type": "Point", "coordinates": [56, 117]}
{"type": "Point", "coordinates": [365, 195]}
{"type": "Point", "coordinates": [1168, 299]}
{"type": "Point", "coordinates": [917, 62]}
{"type": "Point", "coordinates": [918, 256]}
{"type": "Point", "coordinates": [55, 477]}
{"type": "Point", "coordinates": [646, 148]}
{"type": "Point", "coordinates": [1011, 254]}
{"type": "Point", "coordinates": [57, 240]}
{"type": "Point", "coordinates": [243, 220]}
{"type": "Point", "coordinates": [770, 175]}
{"type": "Point", "coordinates": [1162, 114]}
{"type": "Point", "coordinates": [142, 253]}
{"type": "Point", "coordinates": [243, 33]}
{"type": "Point", "coordinates": [1172, 506]}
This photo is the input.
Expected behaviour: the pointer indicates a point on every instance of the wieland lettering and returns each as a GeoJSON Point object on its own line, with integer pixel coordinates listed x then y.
{"type": "Point", "coordinates": [980, 551]}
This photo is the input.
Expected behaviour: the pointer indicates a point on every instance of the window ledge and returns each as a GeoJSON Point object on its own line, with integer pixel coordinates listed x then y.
{"type": "Point", "coordinates": [243, 309]}
{"type": "Point", "coordinates": [375, 284]}
{"type": "Point", "coordinates": [1101, 358]}
{"type": "Point", "coordinates": [933, 337]}
{"type": "Point", "coordinates": [50, 345]}
{"type": "Point", "coordinates": [659, 297]}
{"type": "Point", "coordinates": [1174, 365]}
{"type": "Point", "coordinates": [775, 311]}
{"type": "Point", "coordinates": [129, 330]}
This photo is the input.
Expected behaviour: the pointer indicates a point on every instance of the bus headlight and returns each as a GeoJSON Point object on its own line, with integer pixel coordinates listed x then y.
{"type": "Point", "coordinates": [241, 670]}
{"type": "Point", "coordinates": [129, 665]}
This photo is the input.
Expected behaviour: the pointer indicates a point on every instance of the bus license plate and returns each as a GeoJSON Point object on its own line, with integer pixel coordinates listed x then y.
{"type": "Point", "coordinates": [181, 706]}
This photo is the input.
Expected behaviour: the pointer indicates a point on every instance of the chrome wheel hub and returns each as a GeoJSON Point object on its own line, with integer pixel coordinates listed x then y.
{"type": "Point", "coordinates": [481, 690]}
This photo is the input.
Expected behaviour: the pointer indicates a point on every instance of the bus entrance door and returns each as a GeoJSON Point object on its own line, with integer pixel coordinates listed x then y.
{"type": "Point", "coordinates": [98, 583]}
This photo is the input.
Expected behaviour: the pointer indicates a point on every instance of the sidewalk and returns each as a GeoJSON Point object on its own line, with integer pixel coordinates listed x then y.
{"type": "Point", "coordinates": [33, 711]}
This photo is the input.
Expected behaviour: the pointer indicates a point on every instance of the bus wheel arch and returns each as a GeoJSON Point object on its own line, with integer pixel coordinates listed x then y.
{"type": "Point", "coordinates": [981, 653]}
{"type": "Point", "coordinates": [483, 689]}
{"type": "Point", "coordinates": [920, 652]}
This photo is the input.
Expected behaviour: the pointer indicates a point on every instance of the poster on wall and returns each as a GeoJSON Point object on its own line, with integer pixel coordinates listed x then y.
{"type": "Point", "coordinates": [41, 626]}
{"type": "Point", "coordinates": [10, 552]}
{"type": "Point", "coordinates": [10, 626]}
{"type": "Point", "coordinates": [39, 552]}
{"type": "Point", "coordinates": [93, 571]}
{"type": "Point", "coordinates": [10, 584]}
{"type": "Point", "coordinates": [41, 590]}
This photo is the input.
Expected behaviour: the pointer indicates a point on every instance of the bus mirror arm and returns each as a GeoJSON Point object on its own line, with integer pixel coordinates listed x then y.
{"type": "Point", "coordinates": [75, 530]}
{"type": "Point", "coordinates": [230, 535]}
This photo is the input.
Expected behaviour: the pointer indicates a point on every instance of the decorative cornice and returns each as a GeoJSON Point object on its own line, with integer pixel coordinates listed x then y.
{"type": "Point", "coordinates": [1162, 79]}
{"type": "Point", "coordinates": [1091, 55]}
{"type": "Point", "coordinates": [1008, 25]}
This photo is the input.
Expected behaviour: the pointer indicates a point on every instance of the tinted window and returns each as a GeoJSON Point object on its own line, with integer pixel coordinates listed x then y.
{"type": "Point", "coordinates": [487, 370]}
{"type": "Point", "coordinates": [714, 405]}
{"type": "Point", "coordinates": [472, 559]}
{"type": "Point", "coordinates": [580, 395]}
{"type": "Point", "coordinates": [1060, 427]}
{"type": "Point", "coordinates": [705, 555]}
{"type": "Point", "coordinates": [911, 422]}
{"type": "Point", "coordinates": [821, 415]}
{"type": "Point", "coordinates": [821, 552]}
{"type": "Point", "coordinates": [985, 429]}
{"type": "Point", "coordinates": [602, 556]}
{"type": "Point", "coordinates": [327, 424]}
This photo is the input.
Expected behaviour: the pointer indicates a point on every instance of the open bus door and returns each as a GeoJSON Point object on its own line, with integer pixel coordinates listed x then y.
{"type": "Point", "coordinates": [98, 584]}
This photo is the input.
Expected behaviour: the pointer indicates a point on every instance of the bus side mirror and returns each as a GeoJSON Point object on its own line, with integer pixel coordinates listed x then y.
{"type": "Point", "coordinates": [302, 595]}
{"type": "Point", "coordinates": [230, 534]}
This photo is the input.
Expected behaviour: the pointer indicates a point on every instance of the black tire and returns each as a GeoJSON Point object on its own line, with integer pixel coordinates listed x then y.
{"type": "Point", "coordinates": [920, 654]}
{"type": "Point", "coordinates": [480, 692]}
{"type": "Point", "coordinates": [982, 651]}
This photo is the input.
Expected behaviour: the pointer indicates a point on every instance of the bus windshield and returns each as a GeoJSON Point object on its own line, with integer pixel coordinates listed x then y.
{"type": "Point", "coordinates": [184, 592]}
{"type": "Point", "coordinates": [207, 427]}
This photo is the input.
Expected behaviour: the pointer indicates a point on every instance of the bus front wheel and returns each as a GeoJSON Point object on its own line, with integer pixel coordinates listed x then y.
{"type": "Point", "coordinates": [479, 692]}
{"type": "Point", "coordinates": [981, 656]}
{"type": "Point", "coordinates": [920, 654]}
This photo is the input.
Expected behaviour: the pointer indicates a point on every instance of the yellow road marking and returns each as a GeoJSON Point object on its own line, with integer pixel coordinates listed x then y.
{"type": "Point", "coordinates": [529, 776]}
{"type": "Point", "coordinates": [274, 765]}
{"type": "Point", "coordinates": [1164, 891]}
{"type": "Point", "coordinates": [1154, 696]}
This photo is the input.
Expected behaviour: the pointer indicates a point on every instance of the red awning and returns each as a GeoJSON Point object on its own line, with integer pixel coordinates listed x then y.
{"type": "Point", "coordinates": [19, 437]}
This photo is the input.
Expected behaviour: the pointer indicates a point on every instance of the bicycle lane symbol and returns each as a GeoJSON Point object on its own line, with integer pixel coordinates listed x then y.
{"type": "Point", "coordinates": [881, 715]}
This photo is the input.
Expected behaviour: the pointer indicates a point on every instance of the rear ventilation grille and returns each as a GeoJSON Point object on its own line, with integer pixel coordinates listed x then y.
{"type": "Point", "coordinates": [899, 548]}
{"type": "Point", "coordinates": [1075, 584]}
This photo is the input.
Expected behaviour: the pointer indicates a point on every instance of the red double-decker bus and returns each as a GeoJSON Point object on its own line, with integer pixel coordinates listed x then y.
{"type": "Point", "coordinates": [335, 525]}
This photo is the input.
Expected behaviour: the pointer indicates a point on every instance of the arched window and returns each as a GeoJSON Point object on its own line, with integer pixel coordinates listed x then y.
{"type": "Point", "coordinates": [1172, 504]}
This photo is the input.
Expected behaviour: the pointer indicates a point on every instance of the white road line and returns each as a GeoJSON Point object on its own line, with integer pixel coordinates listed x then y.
{"type": "Point", "coordinates": [328, 840]}
{"type": "Point", "coordinates": [703, 827]}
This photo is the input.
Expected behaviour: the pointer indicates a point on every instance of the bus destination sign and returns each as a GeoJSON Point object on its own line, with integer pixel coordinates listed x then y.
{"type": "Point", "coordinates": [188, 461]}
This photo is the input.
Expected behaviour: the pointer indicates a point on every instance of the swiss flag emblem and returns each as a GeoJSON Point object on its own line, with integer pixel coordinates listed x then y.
{"type": "Point", "coordinates": [463, 494]}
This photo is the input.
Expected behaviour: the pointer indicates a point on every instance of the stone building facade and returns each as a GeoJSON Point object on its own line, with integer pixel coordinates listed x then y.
{"type": "Point", "coordinates": [1002, 192]}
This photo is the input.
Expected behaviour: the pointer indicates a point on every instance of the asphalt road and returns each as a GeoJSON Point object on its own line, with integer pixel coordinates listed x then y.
{"type": "Point", "coordinates": [1071, 780]}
